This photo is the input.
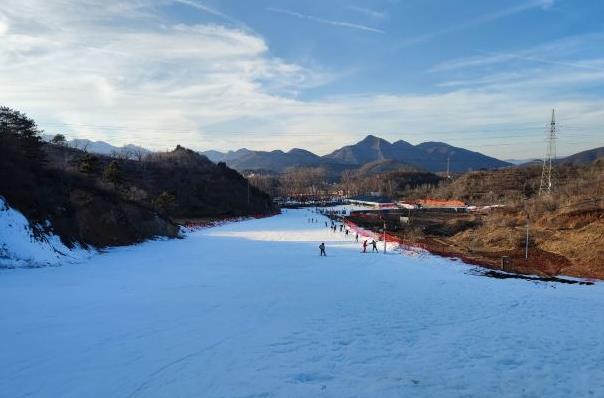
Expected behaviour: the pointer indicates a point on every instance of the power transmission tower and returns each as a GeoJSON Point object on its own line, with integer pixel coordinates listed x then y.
{"type": "Point", "coordinates": [550, 155]}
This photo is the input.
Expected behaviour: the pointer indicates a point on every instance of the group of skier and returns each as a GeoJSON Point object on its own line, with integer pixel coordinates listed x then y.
{"type": "Point", "coordinates": [373, 246]}
{"type": "Point", "coordinates": [334, 227]}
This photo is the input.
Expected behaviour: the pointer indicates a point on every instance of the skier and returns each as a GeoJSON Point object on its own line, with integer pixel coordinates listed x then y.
{"type": "Point", "coordinates": [365, 246]}
{"type": "Point", "coordinates": [346, 232]}
{"type": "Point", "coordinates": [356, 237]}
{"type": "Point", "coordinates": [322, 249]}
{"type": "Point", "coordinates": [341, 227]}
{"type": "Point", "coordinates": [374, 248]}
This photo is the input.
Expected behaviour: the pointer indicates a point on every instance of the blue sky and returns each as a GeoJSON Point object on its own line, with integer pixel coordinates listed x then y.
{"type": "Point", "coordinates": [267, 75]}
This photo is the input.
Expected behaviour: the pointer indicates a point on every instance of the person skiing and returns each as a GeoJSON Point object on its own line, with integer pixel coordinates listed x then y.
{"type": "Point", "coordinates": [365, 246]}
{"type": "Point", "coordinates": [356, 237]}
{"type": "Point", "coordinates": [374, 244]}
{"type": "Point", "coordinates": [346, 232]}
{"type": "Point", "coordinates": [322, 249]}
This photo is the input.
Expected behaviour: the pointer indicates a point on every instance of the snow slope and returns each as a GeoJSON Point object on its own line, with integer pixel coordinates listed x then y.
{"type": "Point", "coordinates": [20, 247]}
{"type": "Point", "coordinates": [249, 309]}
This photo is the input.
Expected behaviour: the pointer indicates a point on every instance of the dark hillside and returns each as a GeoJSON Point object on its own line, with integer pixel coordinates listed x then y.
{"type": "Point", "coordinates": [383, 166]}
{"type": "Point", "coordinates": [460, 159]}
{"type": "Point", "coordinates": [102, 201]}
{"type": "Point", "coordinates": [275, 160]}
{"type": "Point", "coordinates": [201, 188]}
{"type": "Point", "coordinates": [583, 158]}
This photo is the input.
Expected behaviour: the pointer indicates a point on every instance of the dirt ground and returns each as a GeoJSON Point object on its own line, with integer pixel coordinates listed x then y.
{"type": "Point", "coordinates": [568, 241]}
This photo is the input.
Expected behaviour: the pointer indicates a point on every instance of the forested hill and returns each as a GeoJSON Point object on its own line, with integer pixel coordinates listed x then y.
{"type": "Point", "coordinates": [101, 201]}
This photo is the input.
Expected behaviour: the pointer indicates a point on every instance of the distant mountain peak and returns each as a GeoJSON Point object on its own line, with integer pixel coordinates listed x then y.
{"type": "Point", "coordinates": [300, 150]}
{"type": "Point", "coordinates": [371, 139]}
{"type": "Point", "coordinates": [430, 156]}
{"type": "Point", "coordinates": [440, 143]}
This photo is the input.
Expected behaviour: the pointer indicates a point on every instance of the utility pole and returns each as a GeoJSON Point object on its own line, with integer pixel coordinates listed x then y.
{"type": "Point", "coordinates": [550, 155]}
{"type": "Point", "coordinates": [527, 239]}
{"type": "Point", "coordinates": [384, 235]}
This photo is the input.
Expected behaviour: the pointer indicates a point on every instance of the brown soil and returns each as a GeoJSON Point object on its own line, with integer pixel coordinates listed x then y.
{"type": "Point", "coordinates": [568, 241]}
{"type": "Point", "coordinates": [566, 227]}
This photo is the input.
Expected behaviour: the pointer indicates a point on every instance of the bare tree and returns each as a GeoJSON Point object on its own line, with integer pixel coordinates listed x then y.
{"type": "Point", "coordinates": [138, 154]}
{"type": "Point", "coordinates": [304, 182]}
{"type": "Point", "coordinates": [81, 145]}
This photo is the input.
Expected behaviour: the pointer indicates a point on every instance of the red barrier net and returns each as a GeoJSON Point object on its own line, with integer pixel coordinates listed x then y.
{"type": "Point", "coordinates": [380, 237]}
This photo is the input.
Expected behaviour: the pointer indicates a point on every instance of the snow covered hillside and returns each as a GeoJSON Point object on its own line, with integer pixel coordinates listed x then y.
{"type": "Point", "coordinates": [19, 246]}
{"type": "Point", "coordinates": [249, 309]}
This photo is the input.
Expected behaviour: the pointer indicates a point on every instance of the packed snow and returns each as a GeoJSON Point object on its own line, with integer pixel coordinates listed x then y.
{"type": "Point", "coordinates": [21, 247]}
{"type": "Point", "coordinates": [249, 309]}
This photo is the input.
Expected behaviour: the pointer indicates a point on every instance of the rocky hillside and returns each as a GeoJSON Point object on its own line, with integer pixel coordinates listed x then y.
{"type": "Point", "coordinates": [566, 228]}
{"type": "Point", "coordinates": [102, 201]}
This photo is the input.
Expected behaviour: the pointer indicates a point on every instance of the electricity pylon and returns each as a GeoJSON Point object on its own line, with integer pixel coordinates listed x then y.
{"type": "Point", "coordinates": [550, 156]}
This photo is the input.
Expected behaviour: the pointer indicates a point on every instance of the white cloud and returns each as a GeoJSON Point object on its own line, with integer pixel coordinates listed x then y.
{"type": "Point", "coordinates": [202, 7]}
{"type": "Point", "coordinates": [368, 11]}
{"type": "Point", "coordinates": [479, 20]}
{"type": "Point", "coordinates": [82, 70]}
{"type": "Point", "coordinates": [342, 24]}
{"type": "Point", "coordinates": [3, 25]}
{"type": "Point", "coordinates": [553, 53]}
{"type": "Point", "coordinates": [547, 4]}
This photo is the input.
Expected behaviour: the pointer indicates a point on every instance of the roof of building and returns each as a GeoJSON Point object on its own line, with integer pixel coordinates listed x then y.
{"type": "Point", "coordinates": [372, 199]}
{"type": "Point", "coordinates": [441, 203]}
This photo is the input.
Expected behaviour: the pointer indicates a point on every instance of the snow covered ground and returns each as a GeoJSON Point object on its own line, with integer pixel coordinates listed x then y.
{"type": "Point", "coordinates": [20, 247]}
{"type": "Point", "coordinates": [249, 309]}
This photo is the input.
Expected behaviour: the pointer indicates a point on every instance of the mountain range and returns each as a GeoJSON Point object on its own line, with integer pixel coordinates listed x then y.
{"type": "Point", "coordinates": [382, 154]}
{"type": "Point", "coordinates": [371, 155]}
{"type": "Point", "coordinates": [102, 147]}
